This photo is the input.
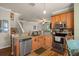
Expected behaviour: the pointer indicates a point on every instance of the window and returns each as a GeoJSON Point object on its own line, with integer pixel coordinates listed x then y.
{"type": "Point", "coordinates": [4, 26]}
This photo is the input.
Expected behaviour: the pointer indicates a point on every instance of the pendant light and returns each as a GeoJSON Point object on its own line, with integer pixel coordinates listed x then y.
{"type": "Point", "coordinates": [44, 11]}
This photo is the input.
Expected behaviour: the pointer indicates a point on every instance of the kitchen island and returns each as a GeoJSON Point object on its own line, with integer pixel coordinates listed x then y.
{"type": "Point", "coordinates": [21, 45]}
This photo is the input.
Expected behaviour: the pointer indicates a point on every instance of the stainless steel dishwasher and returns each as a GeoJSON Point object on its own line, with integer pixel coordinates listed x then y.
{"type": "Point", "coordinates": [25, 46]}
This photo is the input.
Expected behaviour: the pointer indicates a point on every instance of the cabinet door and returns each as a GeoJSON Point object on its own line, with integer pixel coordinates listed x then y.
{"type": "Point", "coordinates": [57, 19]}
{"type": "Point", "coordinates": [63, 17]}
{"type": "Point", "coordinates": [48, 42]}
{"type": "Point", "coordinates": [70, 20]}
{"type": "Point", "coordinates": [39, 42]}
{"type": "Point", "coordinates": [17, 48]}
{"type": "Point", "coordinates": [44, 41]}
{"type": "Point", "coordinates": [34, 43]}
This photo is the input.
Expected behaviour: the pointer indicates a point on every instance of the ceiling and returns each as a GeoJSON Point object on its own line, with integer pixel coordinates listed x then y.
{"type": "Point", "coordinates": [31, 11]}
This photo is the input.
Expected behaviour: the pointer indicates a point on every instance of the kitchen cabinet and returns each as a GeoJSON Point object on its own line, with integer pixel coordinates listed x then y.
{"type": "Point", "coordinates": [41, 41]}
{"type": "Point", "coordinates": [48, 42]}
{"type": "Point", "coordinates": [67, 18]}
{"type": "Point", "coordinates": [16, 47]}
{"type": "Point", "coordinates": [63, 17]}
{"type": "Point", "coordinates": [57, 18]}
{"type": "Point", "coordinates": [34, 43]}
{"type": "Point", "coordinates": [52, 22]}
{"type": "Point", "coordinates": [70, 20]}
{"type": "Point", "coordinates": [38, 40]}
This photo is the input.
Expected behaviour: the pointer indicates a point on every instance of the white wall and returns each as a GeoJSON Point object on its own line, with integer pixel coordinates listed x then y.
{"type": "Point", "coordinates": [28, 26]}
{"type": "Point", "coordinates": [14, 24]}
{"type": "Point", "coordinates": [5, 40]}
{"type": "Point", "coordinates": [76, 21]}
{"type": "Point", "coordinates": [4, 36]}
{"type": "Point", "coordinates": [16, 17]}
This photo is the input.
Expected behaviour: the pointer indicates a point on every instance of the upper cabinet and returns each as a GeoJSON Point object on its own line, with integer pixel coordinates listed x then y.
{"type": "Point", "coordinates": [64, 18]}
{"type": "Point", "coordinates": [70, 20]}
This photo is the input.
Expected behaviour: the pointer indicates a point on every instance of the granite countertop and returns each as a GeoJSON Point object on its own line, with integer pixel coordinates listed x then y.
{"type": "Point", "coordinates": [25, 37]}
{"type": "Point", "coordinates": [22, 36]}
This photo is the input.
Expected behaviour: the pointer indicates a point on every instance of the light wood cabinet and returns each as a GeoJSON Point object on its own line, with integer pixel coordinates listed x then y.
{"type": "Point", "coordinates": [41, 41]}
{"type": "Point", "coordinates": [67, 18]}
{"type": "Point", "coordinates": [48, 42]}
{"type": "Point", "coordinates": [57, 18]}
{"type": "Point", "coordinates": [70, 20]}
{"type": "Point", "coordinates": [52, 22]}
{"type": "Point", "coordinates": [17, 47]}
{"type": "Point", "coordinates": [63, 17]}
{"type": "Point", "coordinates": [34, 43]}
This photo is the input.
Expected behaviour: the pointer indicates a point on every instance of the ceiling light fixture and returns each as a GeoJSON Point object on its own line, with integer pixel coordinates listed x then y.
{"type": "Point", "coordinates": [44, 11]}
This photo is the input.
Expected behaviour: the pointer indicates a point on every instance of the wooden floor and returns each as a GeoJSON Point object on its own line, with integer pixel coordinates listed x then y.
{"type": "Point", "coordinates": [50, 52]}
{"type": "Point", "coordinates": [5, 52]}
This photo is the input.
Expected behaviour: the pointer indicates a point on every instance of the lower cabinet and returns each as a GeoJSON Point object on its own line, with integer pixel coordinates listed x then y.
{"type": "Point", "coordinates": [34, 43]}
{"type": "Point", "coordinates": [41, 41]}
{"type": "Point", "coordinates": [48, 42]}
